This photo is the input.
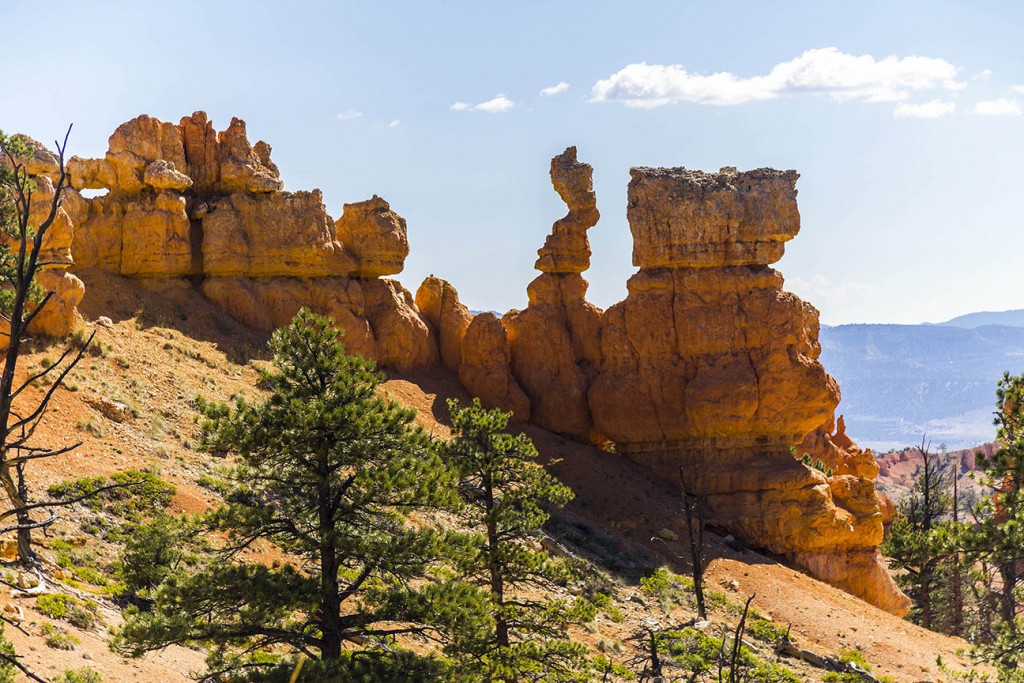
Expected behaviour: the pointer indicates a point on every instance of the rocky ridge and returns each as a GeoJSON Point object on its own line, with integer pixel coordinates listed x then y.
{"type": "Point", "coordinates": [708, 370]}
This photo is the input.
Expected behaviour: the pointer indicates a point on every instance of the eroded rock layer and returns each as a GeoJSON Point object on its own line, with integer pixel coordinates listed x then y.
{"type": "Point", "coordinates": [707, 373]}
{"type": "Point", "coordinates": [184, 201]}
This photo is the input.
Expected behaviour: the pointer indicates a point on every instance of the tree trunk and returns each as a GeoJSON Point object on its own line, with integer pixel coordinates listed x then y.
{"type": "Point", "coordinates": [330, 599]}
{"type": "Point", "coordinates": [15, 494]}
{"type": "Point", "coordinates": [501, 636]}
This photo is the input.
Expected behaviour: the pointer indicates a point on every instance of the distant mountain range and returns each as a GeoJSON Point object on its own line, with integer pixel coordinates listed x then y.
{"type": "Point", "coordinates": [902, 381]}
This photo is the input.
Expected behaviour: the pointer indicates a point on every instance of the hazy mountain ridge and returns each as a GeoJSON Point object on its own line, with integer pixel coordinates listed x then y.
{"type": "Point", "coordinates": [901, 381]}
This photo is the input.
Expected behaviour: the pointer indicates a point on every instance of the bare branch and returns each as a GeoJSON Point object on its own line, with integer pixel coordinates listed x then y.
{"type": "Point", "coordinates": [13, 660]}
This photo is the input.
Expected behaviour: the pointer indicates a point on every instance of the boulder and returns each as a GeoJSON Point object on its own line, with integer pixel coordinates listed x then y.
{"type": "Point", "coordinates": [162, 175]}
{"type": "Point", "coordinates": [376, 235]}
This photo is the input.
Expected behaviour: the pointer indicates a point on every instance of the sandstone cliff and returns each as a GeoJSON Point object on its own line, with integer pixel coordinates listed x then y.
{"type": "Point", "coordinates": [708, 371]}
{"type": "Point", "coordinates": [184, 201]}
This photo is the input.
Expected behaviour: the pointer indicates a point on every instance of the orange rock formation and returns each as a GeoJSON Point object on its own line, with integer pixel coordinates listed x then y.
{"type": "Point", "coordinates": [185, 201]}
{"type": "Point", "coordinates": [707, 371]}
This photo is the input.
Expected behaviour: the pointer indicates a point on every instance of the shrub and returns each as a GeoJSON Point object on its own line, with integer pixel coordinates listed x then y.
{"type": "Point", "coordinates": [61, 641]}
{"type": "Point", "coordinates": [54, 605]}
{"type": "Point", "coordinates": [84, 675]}
{"type": "Point", "coordinates": [141, 492]}
{"type": "Point", "coordinates": [63, 606]}
{"type": "Point", "coordinates": [765, 631]}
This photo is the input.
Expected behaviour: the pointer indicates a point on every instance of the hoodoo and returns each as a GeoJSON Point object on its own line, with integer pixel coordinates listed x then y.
{"type": "Point", "coordinates": [707, 373]}
{"type": "Point", "coordinates": [185, 201]}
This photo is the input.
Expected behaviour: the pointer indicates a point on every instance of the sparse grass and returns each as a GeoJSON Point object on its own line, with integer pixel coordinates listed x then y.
{"type": "Point", "coordinates": [86, 674]}
{"type": "Point", "coordinates": [851, 656]}
{"type": "Point", "coordinates": [90, 426]}
{"type": "Point", "coordinates": [57, 639]}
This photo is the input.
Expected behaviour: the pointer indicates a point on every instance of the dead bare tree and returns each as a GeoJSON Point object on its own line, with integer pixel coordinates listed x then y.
{"type": "Point", "coordinates": [695, 504]}
{"type": "Point", "coordinates": [21, 301]}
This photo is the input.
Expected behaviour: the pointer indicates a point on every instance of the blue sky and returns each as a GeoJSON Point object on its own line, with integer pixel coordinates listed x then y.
{"type": "Point", "coordinates": [902, 118]}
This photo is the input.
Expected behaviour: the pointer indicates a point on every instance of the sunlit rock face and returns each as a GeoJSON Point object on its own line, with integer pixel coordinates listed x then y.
{"type": "Point", "coordinates": [184, 201]}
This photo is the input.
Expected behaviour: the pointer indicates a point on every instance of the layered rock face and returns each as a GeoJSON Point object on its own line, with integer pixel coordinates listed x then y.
{"type": "Point", "coordinates": [709, 374]}
{"type": "Point", "coordinates": [184, 201]}
{"type": "Point", "coordinates": [60, 314]}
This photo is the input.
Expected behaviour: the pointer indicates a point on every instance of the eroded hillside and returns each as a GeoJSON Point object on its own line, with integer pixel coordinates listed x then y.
{"type": "Point", "coordinates": [162, 347]}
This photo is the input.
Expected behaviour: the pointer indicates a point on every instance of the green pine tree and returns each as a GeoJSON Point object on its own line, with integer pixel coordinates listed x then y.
{"type": "Point", "coordinates": [917, 541]}
{"type": "Point", "coordinates": [327, 473]}
{"type": "Point", "coordinates": [506, 491]}
{"type": "Point", "coordinates": [995, 543]}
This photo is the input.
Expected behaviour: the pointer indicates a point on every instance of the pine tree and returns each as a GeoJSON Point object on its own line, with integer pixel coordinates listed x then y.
{"type": "Point", "coordinates": [995, 542]}
{"type": "Point", "coordinates": [506, 491]}
{"type": "Point", "coordinates": [327, 472]}
{"type": "Point", "coordinates": [917, 541]}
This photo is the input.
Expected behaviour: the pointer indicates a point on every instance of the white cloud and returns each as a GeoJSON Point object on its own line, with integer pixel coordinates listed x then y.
{"type": "Point", "coordinates": [929, 110]}
{"type": "Point", "coordinates": [349, 115]}
{"type": "Point", "coordinates": [395, 123]}
{"type": "Point", "coordinates": [1017, 88]}
{"type": "Point", "coordinates": [497, 105]}
{"type": "Point", "coordinates": [982, 75]}
{"type": "Point", "coordinates": [552, 90]}
{"type": "Point", "coordinates": [998, 107]}
{"type": "Point", "coordinates": [826, 71]}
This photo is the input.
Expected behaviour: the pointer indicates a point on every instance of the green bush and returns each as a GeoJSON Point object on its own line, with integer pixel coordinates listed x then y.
{"type": "Point", "coordinates": [658, 583]}
{"type": "Point", "coordinates": [765, 631]}
{"type": "Point", "coordinates": [857, 657]}
{"type": "Point", "coordinates": [155, 550]}
{"type": "Point", "coordinates": [63, 606]}
{"type": "Point", "coordinates": [54, 605]}
{"type": "Point", "coordinates": [84, 675]}
{"type": "Point", "coordinates": [142, 492]}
